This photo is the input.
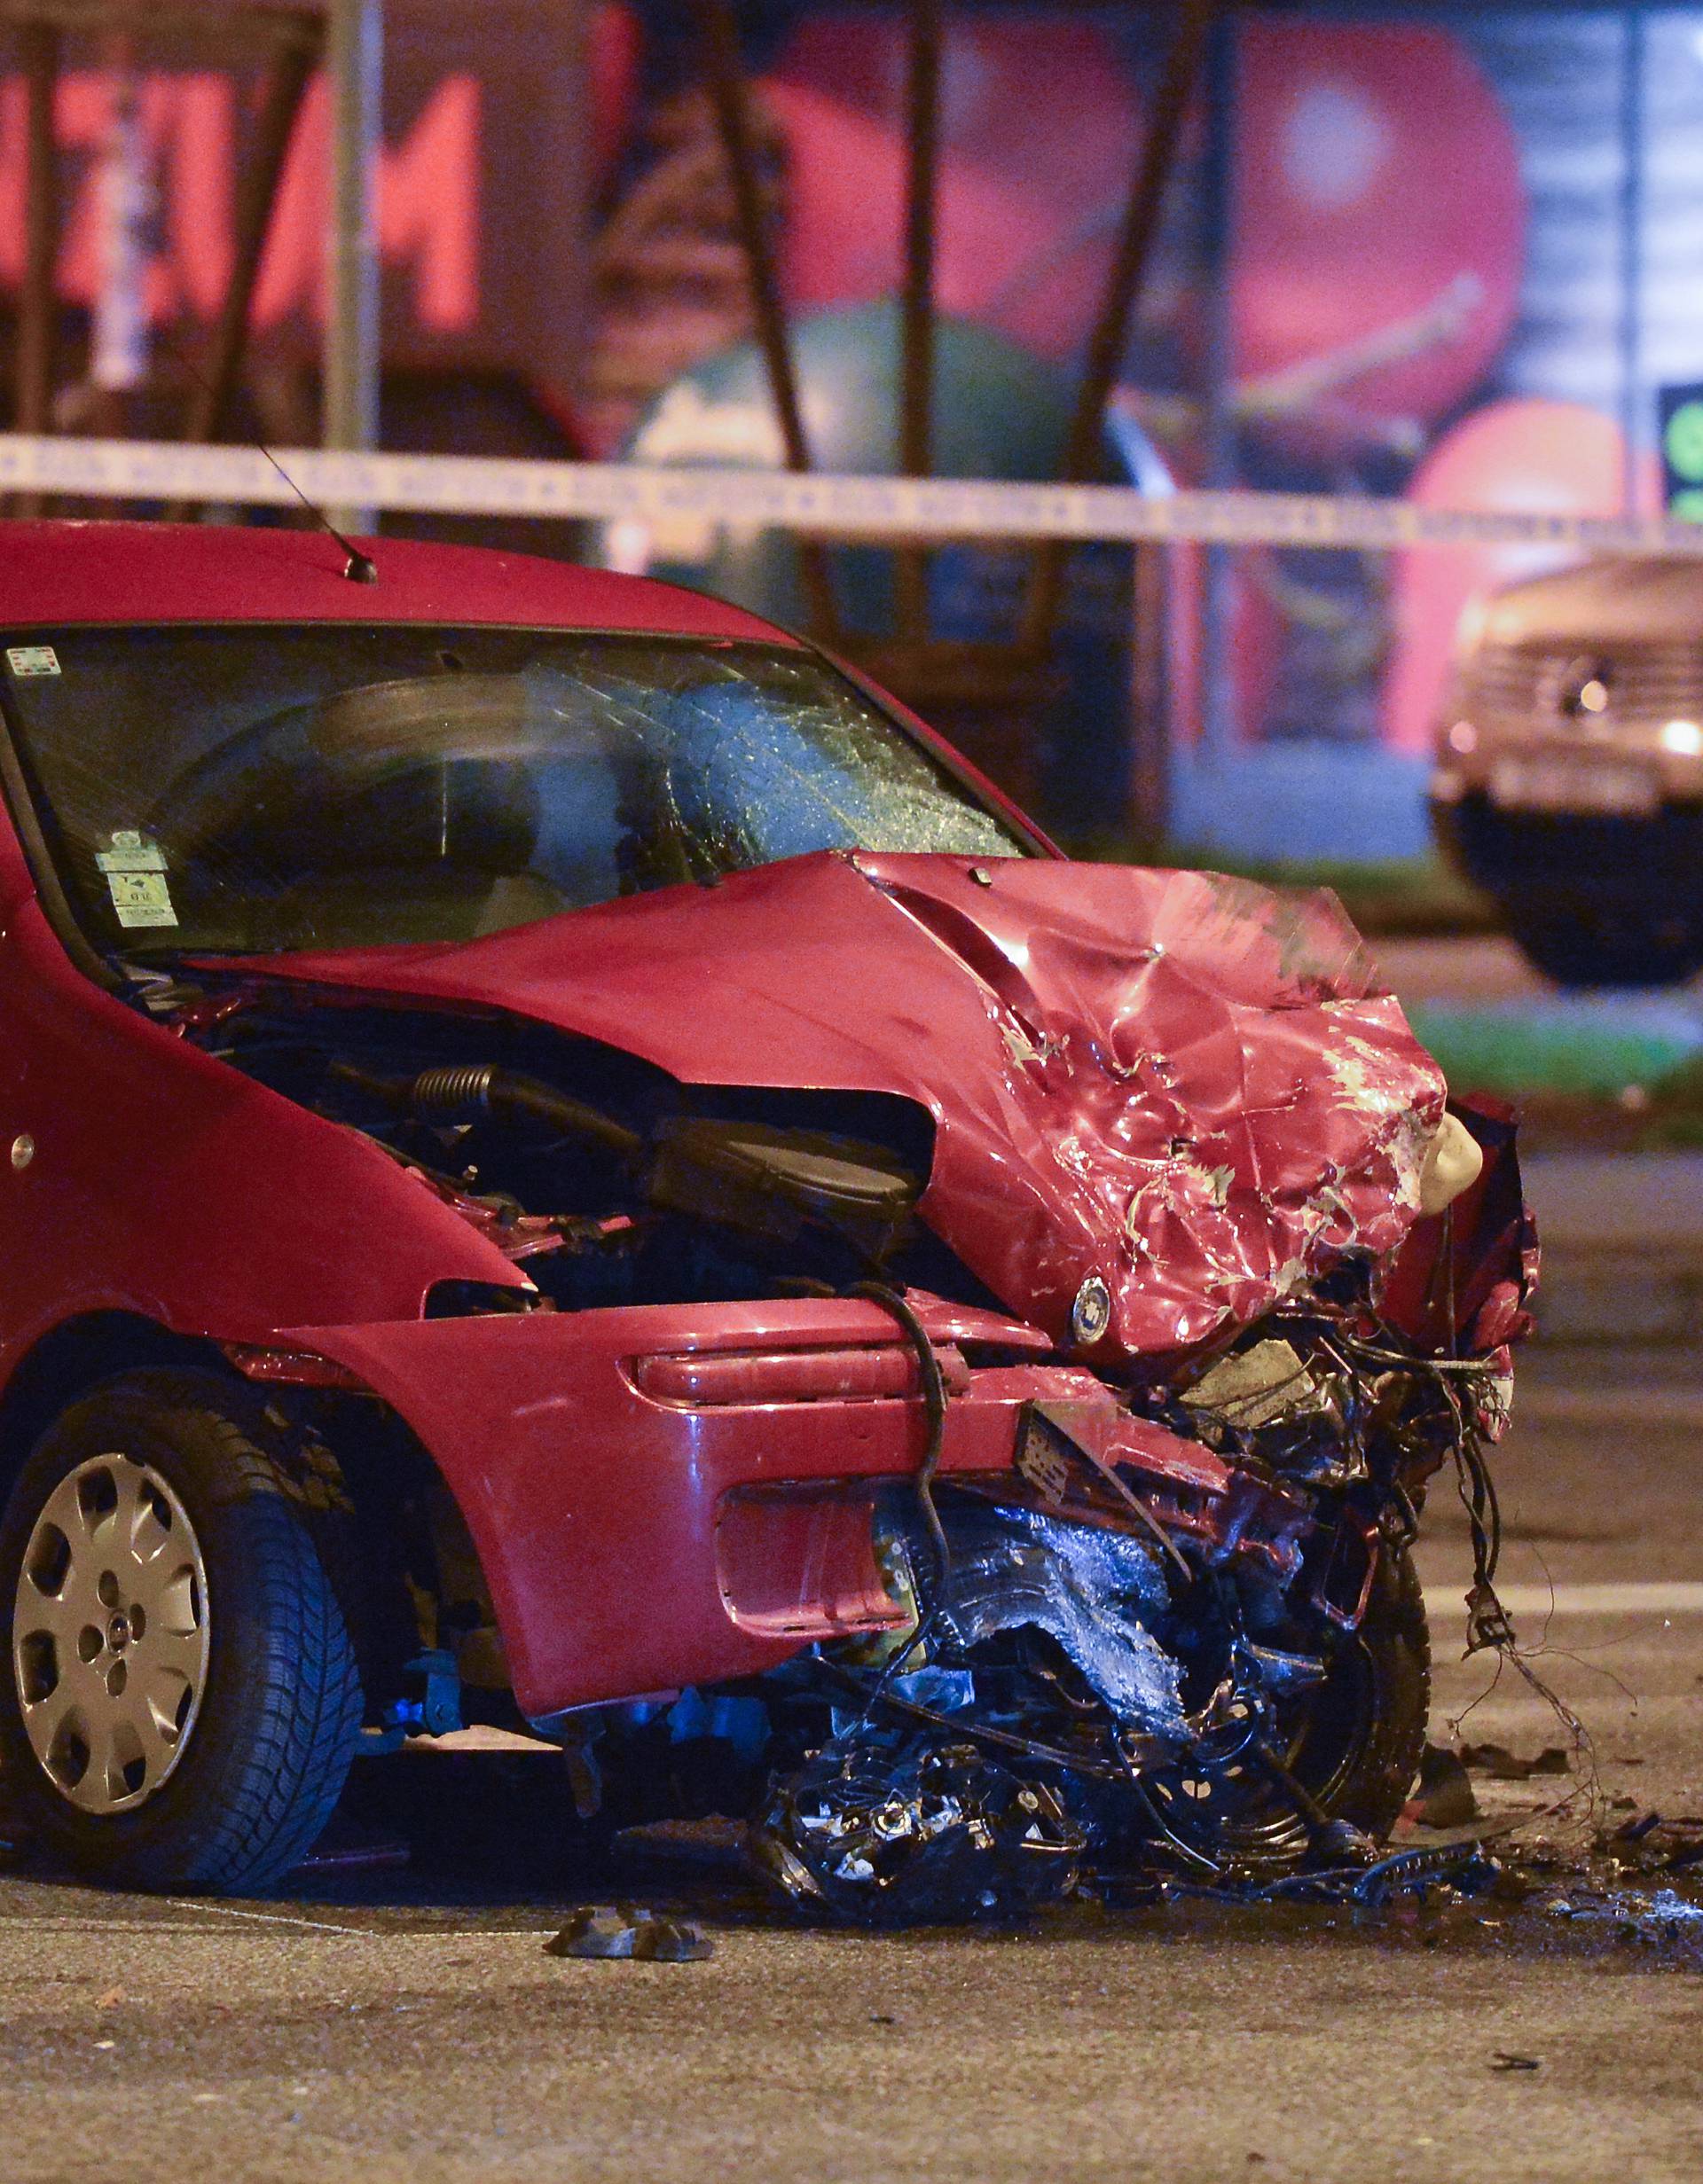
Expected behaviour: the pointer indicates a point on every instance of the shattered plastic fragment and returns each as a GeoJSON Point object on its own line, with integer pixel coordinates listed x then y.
{"type": "Point", "coordinates": [1445, 1798]}
{"type": "Point", "coordinates": [623, 1930]}
{"type": "Point", "coordinates": [1462, 1868]}
{"type": "Point", "coordinates": [1452, 1165]}
{"type": "Point", "coordinates": [1085, 1587]}
{"type": "Point", "coordinates": [1664, 1911]}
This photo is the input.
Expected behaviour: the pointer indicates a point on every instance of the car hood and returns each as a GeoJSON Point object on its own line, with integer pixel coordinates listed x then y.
{"type": "Point", "coordinates": [1185, 1085]}
{"type": "Point", "coordinates": [1619, 601]}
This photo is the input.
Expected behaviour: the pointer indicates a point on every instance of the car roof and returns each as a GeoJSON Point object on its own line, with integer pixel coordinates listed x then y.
{"type": "Point", "coordinates": [61, 571]}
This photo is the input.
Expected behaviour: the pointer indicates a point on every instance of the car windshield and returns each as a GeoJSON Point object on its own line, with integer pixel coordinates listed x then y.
{"type": "Point", "coordinates": [256, 789]}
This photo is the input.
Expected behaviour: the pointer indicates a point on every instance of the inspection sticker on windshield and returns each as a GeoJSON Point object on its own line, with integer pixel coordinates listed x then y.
{"type": "Point", "coordinates": [141, 898]}
{"type": "Point", "coordinates": [32, 659]}
{"type": "Point", "coordinates": [131, 852]}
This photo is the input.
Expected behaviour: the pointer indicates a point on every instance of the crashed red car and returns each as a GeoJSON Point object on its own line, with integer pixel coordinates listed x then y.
{"type": "Point", "coordinates": [568, 1164]}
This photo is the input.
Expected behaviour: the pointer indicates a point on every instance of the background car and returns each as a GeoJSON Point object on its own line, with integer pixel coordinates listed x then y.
{"type": "Point", "coordinates": [1569, 775]}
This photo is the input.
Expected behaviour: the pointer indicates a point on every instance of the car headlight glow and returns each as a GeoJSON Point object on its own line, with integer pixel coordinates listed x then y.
{"type": "Point", "coordinates": [1682, 737]}
{"type": "Point", "coordinates": [1471, 627]}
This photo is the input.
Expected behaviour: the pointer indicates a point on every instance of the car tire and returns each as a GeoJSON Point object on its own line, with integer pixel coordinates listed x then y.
{"type": "Point", "coordinates": [1354, 1744]}
{"type": "Point", "coordinates": [1396, 1640]}
{"type": "Point", "coordinates": [179, 1698]}
{"type": "Point", "coordinates": [1606, 947]}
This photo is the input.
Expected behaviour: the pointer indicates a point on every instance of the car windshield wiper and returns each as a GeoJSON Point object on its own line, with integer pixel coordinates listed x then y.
{"type": "Point", "coordinates": [162, 979]}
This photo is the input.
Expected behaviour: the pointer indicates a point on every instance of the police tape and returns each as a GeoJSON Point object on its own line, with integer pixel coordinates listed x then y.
{"type": "Point", "coordinates": [928, 509]}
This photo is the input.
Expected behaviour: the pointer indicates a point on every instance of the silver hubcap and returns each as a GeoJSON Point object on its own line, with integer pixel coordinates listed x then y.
{"type": "Point", "coordinates": [110, 1634]}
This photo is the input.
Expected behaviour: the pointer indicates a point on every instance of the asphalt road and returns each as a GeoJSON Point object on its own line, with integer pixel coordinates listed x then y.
{"type": "Point", "coordinates": [410, 2027]}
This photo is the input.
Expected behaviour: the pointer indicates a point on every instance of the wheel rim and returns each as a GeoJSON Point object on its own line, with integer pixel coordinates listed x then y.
{"type": "Point", "coordinates": [1237, 1811]}
{"type": "Point", "coordinates": [109, 1645]}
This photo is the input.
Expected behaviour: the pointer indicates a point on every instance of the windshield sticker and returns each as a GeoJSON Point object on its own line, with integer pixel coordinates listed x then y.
{"type": "Point", "coordinates": [32, 659]}
{"type": "Point", "coordinates": [131, 852]}
{"type": "Point", "coordinates": [141, 898]}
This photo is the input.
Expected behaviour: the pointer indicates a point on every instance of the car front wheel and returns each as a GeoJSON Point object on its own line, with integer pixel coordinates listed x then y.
{"type": "Point", "coordinates": [180, 1700]}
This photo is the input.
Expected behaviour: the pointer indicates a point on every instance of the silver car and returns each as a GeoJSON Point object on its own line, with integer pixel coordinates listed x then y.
{"type": "Point", "coordinates": [1569, 776]}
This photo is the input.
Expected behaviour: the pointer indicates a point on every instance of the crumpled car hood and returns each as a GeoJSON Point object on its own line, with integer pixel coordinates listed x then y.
{"type": "Point", "coordinates": [1186, 1084]}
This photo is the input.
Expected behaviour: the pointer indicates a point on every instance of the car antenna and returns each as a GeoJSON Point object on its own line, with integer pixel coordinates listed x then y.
{"type": "Point", "coordinates": [359, 567]}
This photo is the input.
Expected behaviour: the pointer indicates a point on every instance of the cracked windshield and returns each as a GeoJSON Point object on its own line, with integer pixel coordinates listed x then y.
{"type": "Point", "coordinates": [240, 790]}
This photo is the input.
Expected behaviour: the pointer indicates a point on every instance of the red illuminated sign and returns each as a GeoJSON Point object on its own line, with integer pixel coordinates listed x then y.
{"type": "Point", "coordinates": [427, 198]}
{"type": "Point", "coordinates": [491, 107]}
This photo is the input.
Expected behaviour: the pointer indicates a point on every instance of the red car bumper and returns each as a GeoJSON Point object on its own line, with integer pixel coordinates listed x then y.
{"type": "Point", "coordinates": [618, 1470]}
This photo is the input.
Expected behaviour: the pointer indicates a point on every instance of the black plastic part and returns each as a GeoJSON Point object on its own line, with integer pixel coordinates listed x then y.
{"type": "Point", "coordinates": [754, 1178]}
{"type": "Point", "coordinates": [776, 1182]}
{"type": "Point", "coordinates": [454, 1299]}
{"type": "Point", "coordinates": [1606, 857]}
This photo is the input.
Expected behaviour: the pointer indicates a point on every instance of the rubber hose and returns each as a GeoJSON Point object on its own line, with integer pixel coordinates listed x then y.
{"type": "Point", "coordinates": [934, 1397]}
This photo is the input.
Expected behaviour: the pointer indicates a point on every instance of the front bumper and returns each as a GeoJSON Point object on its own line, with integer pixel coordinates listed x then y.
{"type": "Point", "coordinates": [635, 1543]}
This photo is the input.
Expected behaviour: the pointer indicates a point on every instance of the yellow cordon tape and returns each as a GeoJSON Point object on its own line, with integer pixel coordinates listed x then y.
{"type": "Point", "coordinates": [925, 508]}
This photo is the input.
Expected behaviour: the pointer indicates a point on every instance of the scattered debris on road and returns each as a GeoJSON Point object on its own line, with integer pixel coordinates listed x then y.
{"type": "Point", "coordinates": [625, 1931]}
{"type": "Point", "coordinates": [1443, 1797]}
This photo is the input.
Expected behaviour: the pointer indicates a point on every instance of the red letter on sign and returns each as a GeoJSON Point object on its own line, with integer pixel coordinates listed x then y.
{"type": "Point", "coordinates": [427, 211]}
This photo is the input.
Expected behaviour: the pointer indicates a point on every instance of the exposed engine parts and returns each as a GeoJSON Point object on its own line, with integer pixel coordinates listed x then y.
{"type": "Point", "coordinates": [1093, 1593]}
{"type": "Point", "coordinates": [891, 1829]}
{"type": "Point", "coordinates": [1225, 1725]}
{"type": "Point", "coordinates": [657, 1203]}
{"type": "Point", "coordinates": [744, 1176]}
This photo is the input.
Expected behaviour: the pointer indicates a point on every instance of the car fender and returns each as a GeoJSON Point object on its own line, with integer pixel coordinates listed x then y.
{"type": "Point", "coordinates": [143, 1175]}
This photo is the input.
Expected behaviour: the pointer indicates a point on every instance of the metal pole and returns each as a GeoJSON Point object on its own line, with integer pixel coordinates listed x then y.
{"type": "Point", "coordinates": [1631, 342]}
{"type": "Point", "coordinates": [37, 306]}
{"type": "Point", "coordinates": [355, 59]}
{"type": "Point", "coordinates": [916, 414]}
{"type": "Point", "coordinates": [727, 74]}
{"type": "Point", "coordinates": [1149, 629]}
{"type": "Point", "coordinates": [1217, 688]}
{"type": "Point", "coordinates": [1111, 335]}
{"type": "Point", "coordinates": [287, 82]}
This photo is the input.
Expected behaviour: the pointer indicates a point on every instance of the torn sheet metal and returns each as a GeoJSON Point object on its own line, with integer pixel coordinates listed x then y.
{"type": "Point", "coordinates": [1257, 1386]}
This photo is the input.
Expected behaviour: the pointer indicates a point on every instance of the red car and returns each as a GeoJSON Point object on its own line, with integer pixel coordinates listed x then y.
{"type": "Point", "coordinates": [568, 1162]}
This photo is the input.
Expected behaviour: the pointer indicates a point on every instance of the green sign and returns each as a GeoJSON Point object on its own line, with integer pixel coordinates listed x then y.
{"type": "Point", "coordinates": [1682, 452]}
